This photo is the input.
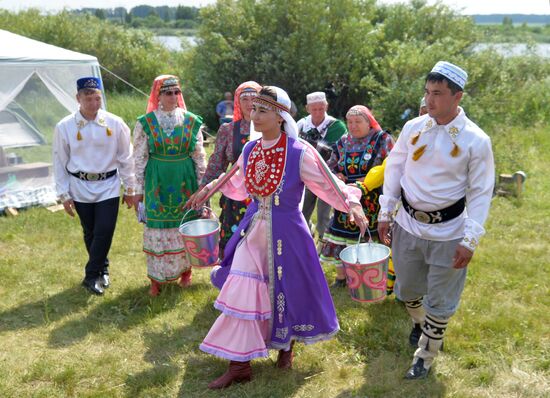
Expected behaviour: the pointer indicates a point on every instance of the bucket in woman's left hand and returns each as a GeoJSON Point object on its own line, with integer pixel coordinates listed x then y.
{"type": "Point", "coordinates": [201, 239]}
{"type": "Point", "coordinates": [366, 267]}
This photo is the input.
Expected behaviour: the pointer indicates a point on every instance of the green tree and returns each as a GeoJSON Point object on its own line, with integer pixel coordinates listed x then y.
{"type": "Point", "coordinates": [183, 12]}
{"type": "Point", "coordinates": [373, 55]}
{"type": "Point", "coordinates": [100, 13]}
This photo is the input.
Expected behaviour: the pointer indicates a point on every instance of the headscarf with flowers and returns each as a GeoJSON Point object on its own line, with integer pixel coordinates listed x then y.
{"type": "Point", "coordinates": [249, 88]}
{"type": "Point", "coordinates": [366, 113]}
{"type": "Point", "coordinates": [160, 84]}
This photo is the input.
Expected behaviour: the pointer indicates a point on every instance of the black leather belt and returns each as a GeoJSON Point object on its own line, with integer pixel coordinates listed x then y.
{"type": "Point", "coordinates": [437, 216]}
{"type": "Point", "coordinates": [93, 176]}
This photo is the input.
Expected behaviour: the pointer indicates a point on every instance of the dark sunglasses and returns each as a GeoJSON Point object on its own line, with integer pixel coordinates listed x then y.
{"type": "Point", "coordinates": [170, 93]}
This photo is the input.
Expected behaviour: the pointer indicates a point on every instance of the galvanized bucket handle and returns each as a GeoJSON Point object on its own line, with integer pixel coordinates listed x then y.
{"type": "Point", "coordinates": [357, 245]}
{"type": "Point", "coordinates": [203, 207]}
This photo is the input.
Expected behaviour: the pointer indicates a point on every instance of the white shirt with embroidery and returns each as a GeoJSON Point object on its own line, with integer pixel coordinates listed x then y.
{"type": "Point", "coordinates": [95, 146]}
{"type": "Point", "coordinates": [305, 124]}
{"type": "Point", "coordinates": [437, 179]}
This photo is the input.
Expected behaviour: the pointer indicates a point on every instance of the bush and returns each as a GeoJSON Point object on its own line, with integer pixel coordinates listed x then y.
{"type": "Point", "coordinates": [371, 54]}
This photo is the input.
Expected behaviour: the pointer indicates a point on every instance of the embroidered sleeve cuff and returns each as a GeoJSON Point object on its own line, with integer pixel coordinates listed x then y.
{"type": "Point", "coordinates": [469, 243]}
{"type": "Point", "coordinates": [64, 197]}
{"type": "Point", "coordinates": [129, 191]}
{"type": "Point", "coordinates": [138, 190]}
{"type": "Point", "coordinates": [385, 216]}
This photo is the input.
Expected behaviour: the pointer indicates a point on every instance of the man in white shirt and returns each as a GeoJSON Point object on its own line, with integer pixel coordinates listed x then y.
{"type": "Point", "coordinates": [91, 154]}
{"type": "Point", "coordinates": [322, 131]}
{"type": "Point", "coordinates": [442, 171]}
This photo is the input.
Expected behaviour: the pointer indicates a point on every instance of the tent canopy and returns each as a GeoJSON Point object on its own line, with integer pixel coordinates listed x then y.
{"type": "Point", "coordinates": [58, 68]}
{"type": "Point", "coordinates": [20, 129]}
{"type": "Point", "coordinates": [40, 77]}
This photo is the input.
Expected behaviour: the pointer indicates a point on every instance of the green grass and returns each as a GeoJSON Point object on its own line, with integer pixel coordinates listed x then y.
{"type": "Point", "coordinates": [58, 341]}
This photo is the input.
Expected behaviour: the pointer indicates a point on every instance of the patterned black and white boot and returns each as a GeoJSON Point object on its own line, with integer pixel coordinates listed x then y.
{"type": "Point", "coordinates": [429, 345]}
{"type": "Point", "coordinates": [418, 315]}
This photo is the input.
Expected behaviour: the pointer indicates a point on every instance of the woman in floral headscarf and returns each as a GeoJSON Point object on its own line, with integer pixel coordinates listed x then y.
{"type": "Point", "coordinates": [364, 147]}
{"type": "Point", "coordinates": [169, 160]}
{"type": "Point", "coordinates": [230, 141]}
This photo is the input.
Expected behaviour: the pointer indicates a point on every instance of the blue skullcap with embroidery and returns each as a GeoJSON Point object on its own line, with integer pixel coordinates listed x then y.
{"type": "Point", "coordinates": [93, 83]}
{"type": "Point", "coordinates": [452, 72]}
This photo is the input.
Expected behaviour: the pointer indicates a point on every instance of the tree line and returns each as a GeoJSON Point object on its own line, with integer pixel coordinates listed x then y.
{"type": "Point", "coordinates": [147, 16]}
{"type": "Point", "coordinates": [358, 51]}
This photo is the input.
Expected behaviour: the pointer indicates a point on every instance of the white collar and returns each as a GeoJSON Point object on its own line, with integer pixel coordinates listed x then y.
{"type": "Point", "coordinates": [308, 124]}
{"type": "Point", "coordinates": [452, 128]}
{"type": "Point", "coordinates": [99, 119]}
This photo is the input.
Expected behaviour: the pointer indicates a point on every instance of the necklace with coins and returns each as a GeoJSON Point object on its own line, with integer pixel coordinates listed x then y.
{"type": "Point", "coordinates": [265, 168]}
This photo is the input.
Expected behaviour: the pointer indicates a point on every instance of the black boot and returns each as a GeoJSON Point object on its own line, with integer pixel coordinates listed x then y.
{"type": "Point", "coordinates": [417, 371]}
{"type": "Point", "coordinates": [415, 335]}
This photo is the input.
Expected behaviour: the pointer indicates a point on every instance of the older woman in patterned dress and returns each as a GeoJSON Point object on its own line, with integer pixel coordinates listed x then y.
{"type": "Point", "coordinates": [169, 161]}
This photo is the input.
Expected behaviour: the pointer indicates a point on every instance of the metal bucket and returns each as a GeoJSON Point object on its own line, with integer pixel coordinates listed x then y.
{"type": "Point", "coordinates": [201, 239]}
{"type": "Point", "coordinates": [366, 267]}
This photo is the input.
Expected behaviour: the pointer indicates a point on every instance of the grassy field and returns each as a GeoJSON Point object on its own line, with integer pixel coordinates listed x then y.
{"type": "Point", "coordinates": [58, 341]}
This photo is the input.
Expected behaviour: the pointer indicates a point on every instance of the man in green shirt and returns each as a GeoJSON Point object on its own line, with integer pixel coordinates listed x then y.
{"type": "Point", "coordinates": [322, 131]}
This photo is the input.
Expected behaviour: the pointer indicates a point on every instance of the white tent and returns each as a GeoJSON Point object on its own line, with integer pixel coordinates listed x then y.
{"type": "Point", "coordinates": [26, 64]}
{"type": "Point", "coordinates": [21, 58]}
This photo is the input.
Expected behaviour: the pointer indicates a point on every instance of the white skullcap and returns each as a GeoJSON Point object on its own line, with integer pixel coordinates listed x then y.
{"type": "Point", "coordinates": [452, 72]}
{"type": "Point", "coordinates": [317, 96]}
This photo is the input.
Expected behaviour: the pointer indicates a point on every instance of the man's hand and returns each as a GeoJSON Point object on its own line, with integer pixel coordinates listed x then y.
{"type": "Point", "coordinates": [130, 201]}
{"type": "Point", "coordinates": [384, 232]}
{"type": "Point", "coordinates": [68, 205]}
{"type": "Point", "coordinates": [462, 257]}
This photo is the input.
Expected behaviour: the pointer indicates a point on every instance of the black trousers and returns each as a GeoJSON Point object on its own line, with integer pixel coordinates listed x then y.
{"type": "Point", "coordinates": [98, 221]}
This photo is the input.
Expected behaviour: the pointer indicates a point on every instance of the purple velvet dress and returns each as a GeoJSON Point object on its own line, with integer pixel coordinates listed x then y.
{"type": "Point", "coordinates": [273, 289]}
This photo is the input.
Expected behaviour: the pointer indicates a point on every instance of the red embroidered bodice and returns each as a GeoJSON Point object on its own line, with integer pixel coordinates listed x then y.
{"type": "Point", "coordinates": [264, 170]}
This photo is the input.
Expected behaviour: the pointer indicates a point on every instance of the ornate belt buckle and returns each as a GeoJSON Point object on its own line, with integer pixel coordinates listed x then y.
{"type": "Point", "coordinates": [92, 176]}
{"type": "Point", "coordinates": [422, 217]}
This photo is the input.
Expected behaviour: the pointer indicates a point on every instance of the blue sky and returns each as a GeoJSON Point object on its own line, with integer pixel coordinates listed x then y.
{"type": "Point", "coordinates": [466, 6]}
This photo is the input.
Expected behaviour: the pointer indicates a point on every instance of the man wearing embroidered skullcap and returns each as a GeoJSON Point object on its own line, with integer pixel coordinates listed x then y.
{"type": "Point", "coordinates": [441, 170]}
{"type": "Point", "coordinates": [92, 154]}
{"type": "Point", "coordinates": [322, 131]}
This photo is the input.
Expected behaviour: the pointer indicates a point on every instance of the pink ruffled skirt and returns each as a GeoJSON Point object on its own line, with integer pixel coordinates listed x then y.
{"type": "Point", "coordinates": [241, 331]}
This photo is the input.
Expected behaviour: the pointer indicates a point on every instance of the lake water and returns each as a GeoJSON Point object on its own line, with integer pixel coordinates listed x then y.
{"type": "Point", "coordinates": [516, 49]}
{"type": "Point", "coordinates": [173, 43]}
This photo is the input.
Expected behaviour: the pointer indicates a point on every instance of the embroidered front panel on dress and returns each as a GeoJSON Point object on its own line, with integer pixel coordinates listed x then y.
{"type": "Point", "coordinates": [264, 170]}
{"type": "Point", "coordinates": [303, 328]}
{"type": "Point", "coordinates": [280, 306]}
{"type": "Point", "coordinates": [170, 176]}
{"type": "Point", "coordinates": [177, 142]}
{"type": "Point", "coordinates": [281, 333]}
{"type": "Point", "coordinates": [354, 155]}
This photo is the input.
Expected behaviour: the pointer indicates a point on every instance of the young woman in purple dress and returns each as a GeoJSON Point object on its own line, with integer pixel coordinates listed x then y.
{"type": "Point", "coordinates": [273, 290]}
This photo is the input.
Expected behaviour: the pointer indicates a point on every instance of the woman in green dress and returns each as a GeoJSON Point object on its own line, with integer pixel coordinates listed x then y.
{"type": "Point", "coordinates": [170, 160]}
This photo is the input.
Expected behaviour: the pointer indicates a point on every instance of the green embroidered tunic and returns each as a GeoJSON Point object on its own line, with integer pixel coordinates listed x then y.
{"type": "Point", "coordinates": [170, 177]}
